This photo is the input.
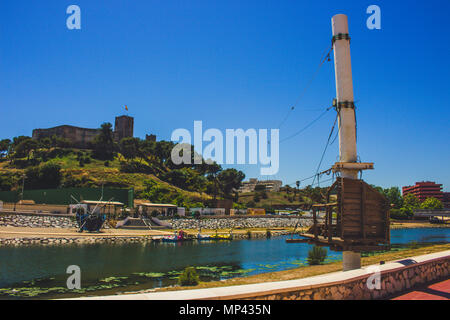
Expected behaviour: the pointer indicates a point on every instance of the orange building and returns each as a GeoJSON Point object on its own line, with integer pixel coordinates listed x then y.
{"type": "Point", "coordinates": [425, 189]}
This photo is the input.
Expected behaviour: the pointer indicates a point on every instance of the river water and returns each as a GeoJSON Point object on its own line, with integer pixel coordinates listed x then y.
{"type": "Point", "coordinates": [40, 271]}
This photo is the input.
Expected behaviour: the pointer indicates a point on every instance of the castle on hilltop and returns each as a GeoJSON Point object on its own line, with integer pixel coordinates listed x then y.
{"type": "Point", "coordinates": [81, 137]}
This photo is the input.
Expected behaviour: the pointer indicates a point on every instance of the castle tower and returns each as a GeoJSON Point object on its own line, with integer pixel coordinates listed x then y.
{"type": "Point", "coordinates": [123, 127]}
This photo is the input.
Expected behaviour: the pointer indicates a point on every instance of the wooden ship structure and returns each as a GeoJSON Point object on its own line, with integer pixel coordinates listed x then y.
{"type": "Point", "coordinates": [355, 217]}
{"type": "Point", "coordinates": [358, 219]}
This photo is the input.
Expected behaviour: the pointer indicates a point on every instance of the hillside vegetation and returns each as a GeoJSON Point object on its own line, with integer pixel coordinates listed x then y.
{"type": "Point", "coordinates": [143, 165]}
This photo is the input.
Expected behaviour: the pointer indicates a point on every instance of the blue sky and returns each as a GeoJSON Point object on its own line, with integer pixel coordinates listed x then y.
{"type": "Point", "coordinates": [236, 64]}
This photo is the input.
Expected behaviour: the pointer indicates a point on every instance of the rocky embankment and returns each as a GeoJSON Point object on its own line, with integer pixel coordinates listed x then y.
{"type": "Point", "coordinates": [36, 221]}
{"type": "Point", "coordinates": [242, 222]}
{"type": "Point", "coordinates": [55, 221]}
{"type": "Point", "coordinates": [67, 240]}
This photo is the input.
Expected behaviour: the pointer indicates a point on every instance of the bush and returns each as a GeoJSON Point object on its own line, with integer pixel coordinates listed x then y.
{"type": "Point", "coordinates": [316, 255]}
{"type": "Point", "coordinates": [135, 167]}
{"type": "Point", "coordinates": [401, 214]}
{"type": "Point", "coordinates": [189, 277]}
{"type": "Point", "coordinates": [48, 176]}
{"type": "Point", "coordinates": [431, 204]}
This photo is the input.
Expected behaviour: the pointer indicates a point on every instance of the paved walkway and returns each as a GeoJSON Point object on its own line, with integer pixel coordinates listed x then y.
{"type": "Point", "coordinates": [436, 291]}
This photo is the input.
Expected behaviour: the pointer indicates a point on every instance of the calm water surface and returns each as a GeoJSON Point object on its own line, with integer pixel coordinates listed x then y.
{"type": "Point", "coordinates": [40, 271]}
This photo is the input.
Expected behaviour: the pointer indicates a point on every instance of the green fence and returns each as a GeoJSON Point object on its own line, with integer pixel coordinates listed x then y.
{"type": "Point", "coordinates": [63, 196]}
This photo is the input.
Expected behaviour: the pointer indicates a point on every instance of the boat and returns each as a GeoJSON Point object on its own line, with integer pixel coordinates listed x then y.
{"type": "Point", "coordinates": [214, 237]}
{"type": "Point", "coordinates": [181, 236]}
{"type": "Point", "coordinates": [90, 222]}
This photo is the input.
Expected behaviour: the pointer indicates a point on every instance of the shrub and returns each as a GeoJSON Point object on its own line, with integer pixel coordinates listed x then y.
{"type": "Point", "coordinates": [135, 167]}
{"type": "Point", "coordinates": [401, 214]}
{"type": "Point", "coordinates": [189, 277]}
{"type": "Point", "coordinates": [48, 176]}
{"type": "Point", "coordinates": [316, 255]}
{"type": "Point", "coordinates": [431, 204]}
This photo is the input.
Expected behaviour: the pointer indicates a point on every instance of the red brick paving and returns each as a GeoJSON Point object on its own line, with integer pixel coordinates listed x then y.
{"type": "Point", "coordinates": [436, 291]}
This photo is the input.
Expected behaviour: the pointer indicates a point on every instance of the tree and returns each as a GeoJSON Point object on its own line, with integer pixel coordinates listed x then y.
{"type": "Point", "coordinates": [24, 148]}
{"type": "Point", "coordinates": [431, 204]}
{"type": "Point", "coordinates": [129, 147]}
{"type": "Point", "coordinates": [393, 195]}
{"type": "Point", "coordinates": [17, 140]}
{"type": "Point", "coordinates": [147, 149]}
{"type": "Point", "coordinates": [46, 142]}
{"type": "Point", "coordinates": [411, 202]}
{"type": "Point", "coordinates": [48, 176]}
{"type": "Point", "coordinates": [104, 143]}
{"type": "Point", "coordinates": [5, 144]}
{"type": "Point", "coordinates": [230, 180]}
{"type": "Point", "coordinates": [163, 150]}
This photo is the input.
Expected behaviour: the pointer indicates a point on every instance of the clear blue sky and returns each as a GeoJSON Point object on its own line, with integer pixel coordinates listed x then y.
{"type": "Point", "coordinates": [236, 64]}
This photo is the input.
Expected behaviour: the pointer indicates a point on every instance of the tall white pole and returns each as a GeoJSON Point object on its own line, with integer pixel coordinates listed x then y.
{"type": "Point", "coordinates": [345, 107]}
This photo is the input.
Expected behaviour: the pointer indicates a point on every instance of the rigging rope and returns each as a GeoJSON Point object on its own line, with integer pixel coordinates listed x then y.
{"type": "Point", "coordinates": [326, 147]}
{"type": "Point", "coordinates": [325, 57]}
{"type": "Point", "coordinates": [307, 126]}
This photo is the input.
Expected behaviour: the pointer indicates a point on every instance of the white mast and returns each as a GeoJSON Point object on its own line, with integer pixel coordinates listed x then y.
{"type": "Point", "coordinates": [346, 110]}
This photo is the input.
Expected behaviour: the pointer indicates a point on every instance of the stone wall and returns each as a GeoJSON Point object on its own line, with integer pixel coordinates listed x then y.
{"type": "Point", "coordinates": [36, 221]}
{"type": "Point", "coordinates": [391, 282]}
{"type": "Point", "coordinates": [69, 240]}
{"type": "Point", "coordinates": [224, 223]}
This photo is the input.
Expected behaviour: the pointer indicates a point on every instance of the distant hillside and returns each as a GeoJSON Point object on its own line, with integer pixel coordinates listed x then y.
{"type": "Point", "coordinates": [285, 197]}
{"type": "Point", "coordinates": [143, 165]}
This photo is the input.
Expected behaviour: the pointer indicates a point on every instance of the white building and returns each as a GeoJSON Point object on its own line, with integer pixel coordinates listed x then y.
{"type": "Point", "coordinates": [271, 185]}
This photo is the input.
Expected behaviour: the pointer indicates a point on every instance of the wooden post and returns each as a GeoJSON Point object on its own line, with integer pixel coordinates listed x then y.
{"type": "Point", "coordinates": [314, 222]}
{"type": "Point", "coordinates": [363, 210]}
{"type": "Point", "coordinates": [330, 222]}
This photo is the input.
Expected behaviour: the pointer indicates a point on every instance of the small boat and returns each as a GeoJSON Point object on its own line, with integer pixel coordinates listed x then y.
{"type": "Point", "coordinates": [222, 237]}
{"type": "Point", "coordinates": [181, 236]}
{"type": "Point", "coordinates": [214, 237]}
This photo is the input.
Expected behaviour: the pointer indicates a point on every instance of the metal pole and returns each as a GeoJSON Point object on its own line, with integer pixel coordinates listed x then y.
{"type": "Point", "coordinates": [346, 110]}
{"type": "Point", "coordinates": [23, 184]}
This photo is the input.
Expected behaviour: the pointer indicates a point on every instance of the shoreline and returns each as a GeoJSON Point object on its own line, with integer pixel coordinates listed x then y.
{"type": "Point", "coordinates": [17, 236]}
